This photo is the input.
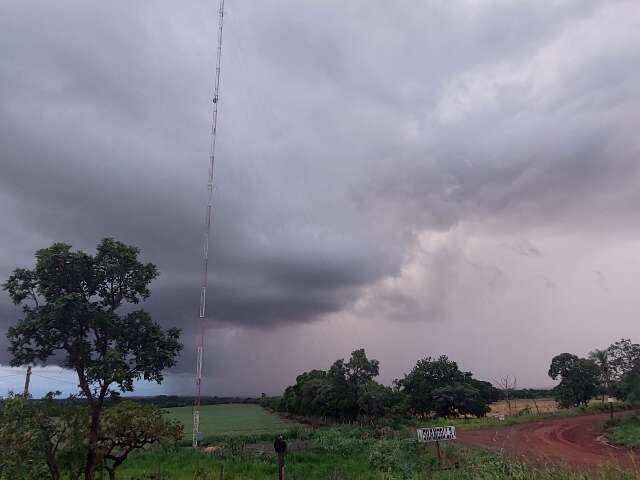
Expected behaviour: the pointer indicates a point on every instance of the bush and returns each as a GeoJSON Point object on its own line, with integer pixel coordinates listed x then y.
{"type": "Point", "coordinates": [399, 456]}
{"type": "Point", "coordinates": [341, 441]}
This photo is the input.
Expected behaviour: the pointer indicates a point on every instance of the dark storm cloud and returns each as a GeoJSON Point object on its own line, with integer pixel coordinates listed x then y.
{"type": "Point", "coordinates": [100, 132]}
{"type": "Point", "coordinates": [345, 130]}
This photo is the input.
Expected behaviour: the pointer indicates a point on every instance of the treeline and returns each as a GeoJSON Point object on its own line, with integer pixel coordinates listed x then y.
{"type": "Point", "coordinates": [613, 372]}
{"type": "Point", "coordinates": [530, 393]}
{"type": "Point", "coordinates": [348, 391]}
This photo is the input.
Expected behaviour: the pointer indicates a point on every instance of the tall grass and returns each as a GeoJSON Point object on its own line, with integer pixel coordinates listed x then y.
{"type": "Point", "coordinates": [624, 431]}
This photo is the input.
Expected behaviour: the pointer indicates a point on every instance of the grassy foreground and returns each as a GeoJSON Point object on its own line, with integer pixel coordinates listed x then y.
{"type": "Point", "coordinates": [232, 419]}
{"type": "Point", "coordinates": [245, 434]}
{"type": "Point", "coordinates": [342, 453]}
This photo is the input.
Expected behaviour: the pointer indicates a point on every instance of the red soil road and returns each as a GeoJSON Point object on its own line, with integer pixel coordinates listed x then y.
{"type": "Point", "coordinates": [573, 441]}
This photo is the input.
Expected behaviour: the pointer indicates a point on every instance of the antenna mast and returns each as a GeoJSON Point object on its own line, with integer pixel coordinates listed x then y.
{"type": "Point", "coordinates": [207, 235]}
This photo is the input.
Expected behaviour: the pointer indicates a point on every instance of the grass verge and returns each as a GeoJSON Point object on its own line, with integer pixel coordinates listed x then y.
{"type": "Point", "coordinates": [624, 431]}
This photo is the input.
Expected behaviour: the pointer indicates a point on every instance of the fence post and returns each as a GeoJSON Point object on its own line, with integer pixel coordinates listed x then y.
{"type": "Point", "coordinates": [281, 469]}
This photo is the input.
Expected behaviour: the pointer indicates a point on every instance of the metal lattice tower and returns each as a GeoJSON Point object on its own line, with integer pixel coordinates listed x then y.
{"type": "Point", "coordinates": [207, 234]}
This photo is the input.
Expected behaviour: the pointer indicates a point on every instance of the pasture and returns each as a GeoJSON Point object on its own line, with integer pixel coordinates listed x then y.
{"type": "Point", "coordinates": [538, 406]}
{"type": "Point", "coordinates": [231, 419]}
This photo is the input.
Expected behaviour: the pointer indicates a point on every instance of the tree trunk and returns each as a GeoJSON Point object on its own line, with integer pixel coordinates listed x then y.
{"type": "Point", "coordinates": [54, 471]}
{"type": "Point", "coordinates": [92, 449]}
{"type": "Point", "coordinates": [112, 473]}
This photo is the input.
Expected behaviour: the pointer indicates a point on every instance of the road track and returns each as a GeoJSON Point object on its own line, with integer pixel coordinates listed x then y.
{"type": "Point", "coordinates": [574, 441]}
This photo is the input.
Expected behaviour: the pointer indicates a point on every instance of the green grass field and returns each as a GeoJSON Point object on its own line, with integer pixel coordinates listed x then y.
{"type": "Point", "coordinates": [233, 419]}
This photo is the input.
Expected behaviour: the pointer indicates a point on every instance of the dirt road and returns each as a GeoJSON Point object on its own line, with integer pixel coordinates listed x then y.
{"type": "Point", "coordinates": [575, 441]}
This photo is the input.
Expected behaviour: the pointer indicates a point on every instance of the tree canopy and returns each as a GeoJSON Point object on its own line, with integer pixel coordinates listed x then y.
{"type": "Point", "coordinates": [579, 379]}
{"type": "Point", "coordinates": [129, 426]}
{"type": "Point", "coordinates": [71, 302]}
{"type": "Point", "coordinates": [345, 391]}
{"type": "Point", "coordinates": [348, 390]}
{"type": "Point", "coordinates": [436, 385]}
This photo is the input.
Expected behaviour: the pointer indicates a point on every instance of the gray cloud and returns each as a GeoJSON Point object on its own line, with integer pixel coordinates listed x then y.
{"type": "Point", "coordinates": [346, 131]}
{"type": "Point", "coordinates": [524, 247]}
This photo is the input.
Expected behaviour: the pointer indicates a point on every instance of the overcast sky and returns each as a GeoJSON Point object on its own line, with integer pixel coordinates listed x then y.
{"type": "Point", "coordinates": [417, 178]}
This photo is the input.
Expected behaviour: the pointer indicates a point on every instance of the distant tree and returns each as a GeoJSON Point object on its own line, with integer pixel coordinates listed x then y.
{"type": "Point", "coordinates": [375, 400]}
{"type": "Point", "coordinates": [579, 379]}
{"type": "Point", "coordinates": [128, 426]}
{"type": "Point", "coordinates": [299, 398]}
{"type": "Point", "coordinates": [425, 378]}
{"type": "Point", "coordinates": [459, 399]}
{"type": "Point", "coordinates": [629, 387]}
{"type": "Point", "coordinates": [488, 393]}
{"type": "Point", "coordinates": [622, 356]}
{"type": "Point", "coordinates": [360, 370]}
{"type": "Point", "coordinates": [563, 364]}
{"type": "Point", "coordinates": [601, 359]}
{"type": "Point", "coordinates": [70, 303]}
{"type": "Point", "coordinates": [346, 391]}
{"type": "Point", "coordinates": [508, 385]}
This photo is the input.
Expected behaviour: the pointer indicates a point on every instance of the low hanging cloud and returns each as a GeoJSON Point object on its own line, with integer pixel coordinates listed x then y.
{"type": "Point", "coordinates": [369, 160]}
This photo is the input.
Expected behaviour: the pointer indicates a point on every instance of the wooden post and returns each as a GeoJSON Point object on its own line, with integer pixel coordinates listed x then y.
{"type": "Point", "coordinates": [281, 470]}
{"type": "Point", "coordinates": [222, 471]}
{"type": "Point", "coordinates": [26, 382]}
{"type": "Point", "coordinates": [439, 454]}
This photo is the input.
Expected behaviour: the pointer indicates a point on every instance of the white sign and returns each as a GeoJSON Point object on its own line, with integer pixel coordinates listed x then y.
{"type": "Point", "coordinates": [436, 434]}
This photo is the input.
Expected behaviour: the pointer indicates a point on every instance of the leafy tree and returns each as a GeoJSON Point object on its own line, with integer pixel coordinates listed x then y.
{"type": "Point", "coordinates": [629, 388]}
{"type": "Point", "coordinates": [345, 391]}
{"type": "Point", "coordinates": [71, 303]}
{"type": "Point", "coordinates": [487, 392]}
{"type": "Point", "coordinates": [375, 400]}
{"type": "Point", "coordinates": [579, 379]}
{"type": "Point", "coordinates": [459, 399]}
{"type": "Point", "coordinates": [348, 390]}
{"type": "Point", "coordinates": [129, 426]}
{"type": "Point", "coordinates": [622, 356]}
{"type": "Point", "coordinates": [301, 397]}
{"type": "Point", "coordinates": [601, 359]}
{"type": "Point", "coordinates": [360, 370]}
{"type": "Point", "coordinates": [425, 378]}
{"type": "Point", "coordinates": [562, 365]}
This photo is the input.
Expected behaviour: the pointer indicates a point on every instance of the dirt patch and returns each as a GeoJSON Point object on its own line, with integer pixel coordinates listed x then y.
{"type": "Point", "coordinates": [573, 441]}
